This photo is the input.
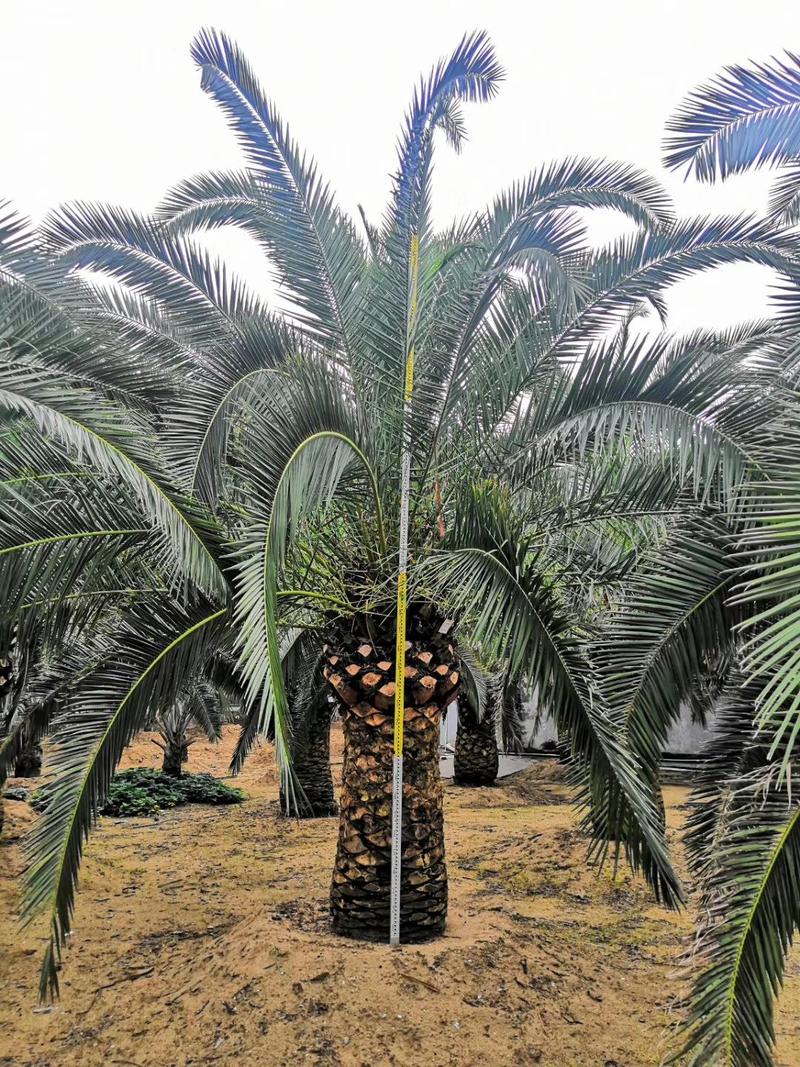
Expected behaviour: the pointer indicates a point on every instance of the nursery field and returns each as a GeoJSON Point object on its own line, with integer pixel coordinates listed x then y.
{"type": "Point", "coordinates": [199, 934]}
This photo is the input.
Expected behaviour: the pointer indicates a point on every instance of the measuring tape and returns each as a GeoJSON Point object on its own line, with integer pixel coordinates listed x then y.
{"type": "Point", "coordinates": [402, 583]}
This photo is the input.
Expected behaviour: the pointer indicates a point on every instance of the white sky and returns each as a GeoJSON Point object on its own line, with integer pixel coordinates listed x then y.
{"type": "Point", "coordinates": [101, 100]}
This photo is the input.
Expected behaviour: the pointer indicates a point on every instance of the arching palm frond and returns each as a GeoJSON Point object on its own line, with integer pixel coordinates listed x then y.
{"type": "Point", "coordinates": [293, 477]}
{"type": "Point", "coordinates": [526, 625]}
{"type": "Point", "coordinates": [746, 117]}
{"type": "Point", "coordinates": [313, 245]}
{"type": "Point", "coordinates": [59, 542]}
{"type": "Point", "coordinates": [672, 624]}
{"type": "Point", "coordinates": [106, 710]}
{"type": "Point", "coordinates": [106, 437]}
{"type": "Point", "coordinates": [752, 913]}
{"type": "Point", "coordinates": [580, 182]}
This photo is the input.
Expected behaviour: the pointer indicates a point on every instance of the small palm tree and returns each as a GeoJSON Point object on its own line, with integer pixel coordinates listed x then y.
{"type": "Point", "coordinates": [200, 710]}
{"type": "Point", "coordinates": [222, 422]}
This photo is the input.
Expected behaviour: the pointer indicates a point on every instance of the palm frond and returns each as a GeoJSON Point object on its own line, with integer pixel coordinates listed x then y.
{"type": "Point", "coordinates": [752, 912]}
{"type": "Point", "coordinates": [526, 624]}
{"type": "Point", "coordinates": [672, 624]}
{"type": "Point", "coordinates": [107, 709]}
{"type": "Point", "coordinates": [784, 198]}
{"type": "Point", "coordinates": [305, 487]}
{"type": "Point", "coordinates": [100, 434]}
{"type": "Point", "coordinates": [748, 116]}
{"type": "Point", "coordinates": [581, 182]}
{"type": "Point", "coordinates": [772, 653]}
{"type": "Point", "coordinates": [311, 242]}
{"type": "Point", "coordinates": [731, 752]}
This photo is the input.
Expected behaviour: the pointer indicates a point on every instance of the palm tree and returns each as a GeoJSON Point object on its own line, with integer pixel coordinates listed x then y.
{"type": "Point", "coordinates": [200, 710]}
{"type": "Point", "coordinates": [221, 421]}
{"type": "Point", "coordinates": [476, 758]}
{"type": "Point", "coordinates": [741, 596]}
{"type": "Point", "coordinates": [310, 713]}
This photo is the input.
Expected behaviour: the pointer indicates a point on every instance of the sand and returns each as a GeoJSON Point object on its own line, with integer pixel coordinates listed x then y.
{"type": "Point", "coordinates": [202, 938]}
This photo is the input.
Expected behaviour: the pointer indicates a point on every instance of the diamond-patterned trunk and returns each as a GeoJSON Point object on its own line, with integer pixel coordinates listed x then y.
{"type": "Point", "coordinates": [363, 680]}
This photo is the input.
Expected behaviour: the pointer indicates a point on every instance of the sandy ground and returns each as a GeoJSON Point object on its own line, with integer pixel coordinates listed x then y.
{"type": "Point", "coordinates": [202, 938]}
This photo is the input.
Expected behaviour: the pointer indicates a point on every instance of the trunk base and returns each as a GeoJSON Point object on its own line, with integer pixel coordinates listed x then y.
{"type": "Point", "coordinates": [356, 931]}
{"type": "Point", "coordinates": [174, 758]}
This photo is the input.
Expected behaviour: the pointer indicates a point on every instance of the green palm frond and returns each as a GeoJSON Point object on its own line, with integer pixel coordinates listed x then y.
{"type": "Point", "coordinates": [752, 910]}
{"type": "Point", "coordinates": [580, 182]}
{"type": "Point", "coordinates": [17, 235]}
{"type": "Point", "coordinates": [305, 486]}
{"type": "Point", "coordinates": [475, 680]}
{"type": "Point", "coordinates": [672, 625]}
{"type": "Point", "coordinates": [103, 436]}
{"type": "Point", "coordinates": [314, 246]}
{"type": "Point", "coordinates": [106, 710]}
{"type": "Point", "coordinates": [746, 117]}
{"type": "Point", "coordinates": [526, 626]}
{"type": "Point", "coordinates": [731, 752]}
{"type": "Point", "coordinates": [784, 198]}
{"type": "Point", "coordinates": [771, 548]}
{"type": "Point", "coordinates": [135, 250]}
{"type": "Point", "coordinates": [44, 684]}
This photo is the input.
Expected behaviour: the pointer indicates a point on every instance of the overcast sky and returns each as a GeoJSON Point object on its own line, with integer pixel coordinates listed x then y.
{"type": "Point", "coordinates": [101, 101]}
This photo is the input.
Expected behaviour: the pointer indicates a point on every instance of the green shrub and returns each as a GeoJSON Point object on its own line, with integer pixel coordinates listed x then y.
{"type": "Point", "coordinates": [142, 791]}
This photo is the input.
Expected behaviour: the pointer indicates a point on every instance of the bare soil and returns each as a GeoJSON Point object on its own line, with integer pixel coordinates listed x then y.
{"type": "Point", "coordinates": [202, 938]}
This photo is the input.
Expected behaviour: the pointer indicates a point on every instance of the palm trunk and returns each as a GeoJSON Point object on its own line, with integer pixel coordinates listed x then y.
{"type": "Point", "coordinates": [476, 759]}
{"type": "Point", "coordinates": [311, 763]}
{"type": "Point", "coordinates": [176, 753]}
{"type": "Point", "coordinates": [29, 762]}
{"type": "Point", "coordinates": [364, 684]}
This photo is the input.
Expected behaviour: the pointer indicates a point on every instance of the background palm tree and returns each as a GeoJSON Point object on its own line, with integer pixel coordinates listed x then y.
{"type": "Point", "coordinates": [310, 710]}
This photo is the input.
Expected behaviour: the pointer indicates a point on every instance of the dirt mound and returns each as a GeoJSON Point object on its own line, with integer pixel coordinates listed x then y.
{"type": "Point", "coordinates": [544, 782]}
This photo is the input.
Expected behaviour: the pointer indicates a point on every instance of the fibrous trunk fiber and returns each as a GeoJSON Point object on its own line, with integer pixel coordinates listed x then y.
{"type": "Point", "coordinates": [175, 755]}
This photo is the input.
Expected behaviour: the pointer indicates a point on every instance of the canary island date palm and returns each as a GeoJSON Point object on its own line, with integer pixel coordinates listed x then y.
{"type": "Point", "coordinates": [743, 833]}
{"type": "Point", "coordinates": [291, 430]}
{"type": "Point", "coordinates": [329, 441]}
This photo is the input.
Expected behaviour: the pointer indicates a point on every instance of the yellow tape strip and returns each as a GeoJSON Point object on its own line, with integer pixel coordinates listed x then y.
{"type": "Point", "coordinates": [409, 376]}
{"type": "Point", "coordinates": [400, 662]}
